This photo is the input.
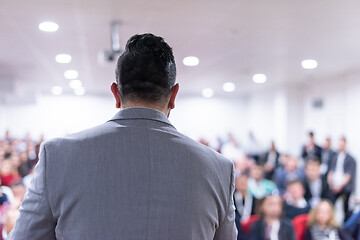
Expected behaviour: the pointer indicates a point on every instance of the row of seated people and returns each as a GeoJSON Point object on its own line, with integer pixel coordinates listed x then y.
{"type": "Point", "coordinates": [319, 224]}
{"type": "Point", "coordinates": [17, 160]}
{"type": "Point", "coordinates": [331, 179]}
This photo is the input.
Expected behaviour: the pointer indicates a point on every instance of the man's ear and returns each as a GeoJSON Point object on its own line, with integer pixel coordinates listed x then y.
{"type": "Point", "coordinates": [115, 92]}
{"type": "Point", "coordinates": [174, 92]}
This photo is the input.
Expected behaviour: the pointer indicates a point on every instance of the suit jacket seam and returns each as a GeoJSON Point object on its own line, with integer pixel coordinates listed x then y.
{"type": "Point", "coordinates": [231, 193]}
{"type": "Point", "coordinates": [45, 185]}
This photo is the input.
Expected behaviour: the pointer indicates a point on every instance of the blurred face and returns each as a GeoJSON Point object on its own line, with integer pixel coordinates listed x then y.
{"type": "Point", "coordinates": [311, 140]}
{"type": "Point", "coordinates": [241, 184]}
{"type": "Point", "coordinates": [327, 144]}
{"type": "Point", "coordinates": [19, 192]}
{"type": "Point", "coordinates": [323, 213]}
{"type": "Point", "coordinates": [342, 145]}
{"type": "Point", "coordinates": [296, 191]}
{"type": "Point", "coordinates": [312, 170]}
{"type": "Point", "coordinates": [6, 167]}
{"type": "Point", "coordinates": [256, 172]}
{"type": "Point", "coordinates": [15, 159]}
{"type": "Point", "coordinates": [272, 207]}
{"type": "Point", "coordinates": [291, 164]}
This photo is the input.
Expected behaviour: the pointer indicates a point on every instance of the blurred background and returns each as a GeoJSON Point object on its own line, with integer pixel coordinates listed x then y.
{"type": "Point", "coordinates": [249, 71]}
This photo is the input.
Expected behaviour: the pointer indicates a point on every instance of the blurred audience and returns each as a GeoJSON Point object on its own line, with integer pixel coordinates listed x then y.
{"type": "Point", "coordinates": [274, 187]}
{"type": "Point", "coordinates": [17, 160]}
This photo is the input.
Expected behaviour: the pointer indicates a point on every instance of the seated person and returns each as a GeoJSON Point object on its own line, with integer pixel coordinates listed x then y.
{"type": "Point", "coordinates": [289, 172]}
{"type": "Point", "coordinates": [311, 148]}
{"type": "Point", "coordinates": [351, 228]}
{"type": "Point", "coordinates": [9, 221]}
{"type": "Point", "coordinates": [8, 173]}
{"type": "Point", "coordinates": [316, 186]}
{"type": "Point", "coordinates": [295, 203]}
{"type": "Point", "coordinates": [258, 186]}
{"type": "Point", "coordinates": [271, 225]}
{"type": "Point", "coordinates": [322, 224]}
{"type": "Point", "coordinates": [18, 188]}
{"type": "Point", "coordinates": [244, 202]}
{"type": "Point", "coordinates": [271, 161]}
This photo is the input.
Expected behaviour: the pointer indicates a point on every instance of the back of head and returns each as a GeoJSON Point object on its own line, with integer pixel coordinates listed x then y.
{"type": "Point", "coordinates": [146, 71]}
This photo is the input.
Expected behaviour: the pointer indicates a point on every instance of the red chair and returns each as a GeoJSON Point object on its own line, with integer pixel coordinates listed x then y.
{"type": "Point", "coordinates": [246, 225]}
{"type": "Point", "coordinates": [299, 224]}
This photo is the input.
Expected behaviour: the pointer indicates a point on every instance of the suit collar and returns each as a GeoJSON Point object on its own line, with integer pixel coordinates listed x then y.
{"type": "Point", "coordinates": [141, 113]}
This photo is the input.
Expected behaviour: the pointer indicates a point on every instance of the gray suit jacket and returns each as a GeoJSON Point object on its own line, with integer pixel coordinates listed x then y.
{"type": "Point", "coordinates": [134, 177]}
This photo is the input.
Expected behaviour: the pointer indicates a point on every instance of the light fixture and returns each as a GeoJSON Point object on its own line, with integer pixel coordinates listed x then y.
{"type": "Point", "coordinates": [309, 64]}
{"type": "Point", "coordinates": [48, 26]}
{"type": "Point", "coordinates": [71, 74]}
{"type": "Point", "coordinates": [75, 84]}
{"type": "Point", "coordinates": [63, 58]}
{"type": "Point", "coordinates": [79, 91]}
{"type": "Point", "coordinates": [259, 78]}
{"type": "Point", "coordinates": [229, 87]}
{"type": "Point", "coordinates": [207, 92]}
{"type": "Point", "coordinates": [57, 90]}
{"type": "Point", "coordinates": [191, 61]}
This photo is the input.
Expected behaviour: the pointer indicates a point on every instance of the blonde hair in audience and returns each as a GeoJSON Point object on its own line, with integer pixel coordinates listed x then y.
{"type": "Point", "coordinates": [312, 215]}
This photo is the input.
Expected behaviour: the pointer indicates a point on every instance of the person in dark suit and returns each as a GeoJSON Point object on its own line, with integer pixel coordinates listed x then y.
{"type": "Point", "coordinates": [245, 203]}
{"type": "Point", "coordinates": [326, 155]}
{"type": "Point", "coordinates": [341, 177]}
{"type": "Point", "coordinates": [311, 148]}
{"type": "Point", "coordinates": [271, 224]}
{"type": "Point", "coordinates": [316, 185]}
{"type": "Point", "coordinates": [135, 176]}
{"type": "Point", "coordinates": [270, 160]}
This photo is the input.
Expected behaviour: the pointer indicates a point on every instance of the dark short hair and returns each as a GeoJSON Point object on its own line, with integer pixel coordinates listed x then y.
{"type": "Point", "coordinates": [146, 71]}
{"type": "Point", "coordinates": [311, 134]}
{"type": "Point", "coordinates": [313, 158]}
{"type": "Point", "coordinates": [296, 181]}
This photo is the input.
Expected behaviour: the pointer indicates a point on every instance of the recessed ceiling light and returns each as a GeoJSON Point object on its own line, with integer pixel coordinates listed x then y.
{"type": "Point", "coordinates": [229, 87]}
{"type": "Point", "coordinates": [75, 84]}
{"type": "Point", "coordinates": [259, 78]}
{"type": "Point", "coordinates": [63, 58]}
{"type": "Point", "coordinates": [48, 26]}
{"type": "Point", "coordinates": [309, 64]}
{"type": "Point", "coordinates": [79, 91]}
{"type": "Point", "coordinates": [207, 92]}
{"type": "Point", "coordinates": [57, 90]}
{"type": "Point", "coordinates": [71, 74]}
{"type": "Point", "coordinates": [191, 61]}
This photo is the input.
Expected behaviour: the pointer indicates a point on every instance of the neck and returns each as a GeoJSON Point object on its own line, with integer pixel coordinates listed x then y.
{"type": "Point", "coordinates": [243, 193]}
{"type": "Point", "coordinates": [165, 111]}
{"type": "Point", "coordinates": [270, 220]}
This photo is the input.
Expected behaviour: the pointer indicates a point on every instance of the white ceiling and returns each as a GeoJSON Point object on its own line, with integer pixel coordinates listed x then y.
{"type": "Point", "coordinates": [233, 39]}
